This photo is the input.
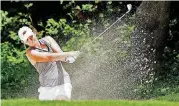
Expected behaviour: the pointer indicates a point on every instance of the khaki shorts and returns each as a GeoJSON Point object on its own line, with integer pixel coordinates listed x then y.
{"type": "Point", "coordinates": [50, 93]}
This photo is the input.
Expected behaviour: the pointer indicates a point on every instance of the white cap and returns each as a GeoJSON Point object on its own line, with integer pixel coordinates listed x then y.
{"type": "Point", "coordinates": [24, 33]}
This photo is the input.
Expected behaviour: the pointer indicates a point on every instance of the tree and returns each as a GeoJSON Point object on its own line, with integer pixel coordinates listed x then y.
{"type": "Point", "coordinates": [148, 39]}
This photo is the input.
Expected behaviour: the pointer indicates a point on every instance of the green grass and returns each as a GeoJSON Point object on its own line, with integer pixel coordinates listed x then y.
{"type": "Point", "coordinates": [168, 100]}
{"type": "Point", "coordinates": [34, 102]}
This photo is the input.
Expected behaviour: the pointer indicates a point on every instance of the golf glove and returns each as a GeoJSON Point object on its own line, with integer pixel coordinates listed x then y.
{"type": "Point", "coordinates": [70, 59]}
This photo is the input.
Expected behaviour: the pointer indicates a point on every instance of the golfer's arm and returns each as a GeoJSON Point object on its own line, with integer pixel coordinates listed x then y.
{"type": "Point", "coordinates": [47, 56]}
{"type": "Point", "coordinates": [56, 48]}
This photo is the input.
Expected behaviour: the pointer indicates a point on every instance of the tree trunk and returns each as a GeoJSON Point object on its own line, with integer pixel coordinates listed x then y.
{"type": "Point", "coordinates": [148, 39]}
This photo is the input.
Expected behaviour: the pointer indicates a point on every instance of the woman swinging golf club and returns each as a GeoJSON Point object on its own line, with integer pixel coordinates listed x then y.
{"type": "Point", "coordinates": [46, 56]}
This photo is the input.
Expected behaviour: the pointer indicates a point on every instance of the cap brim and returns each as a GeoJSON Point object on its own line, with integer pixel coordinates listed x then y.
{"type": "Point", "coordinates": [26, 37]}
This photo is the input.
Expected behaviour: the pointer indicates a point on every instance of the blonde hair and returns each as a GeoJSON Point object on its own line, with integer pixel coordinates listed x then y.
{"type": "Point", "coordinates": [34, 29]}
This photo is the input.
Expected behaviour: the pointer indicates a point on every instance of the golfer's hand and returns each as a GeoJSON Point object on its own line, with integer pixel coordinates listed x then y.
{"type": "Point", "coordinates": [75, 54]}
{"type": "Point", "coordinates": [72, 58]}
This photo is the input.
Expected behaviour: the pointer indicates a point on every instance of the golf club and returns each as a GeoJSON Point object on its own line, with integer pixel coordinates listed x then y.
{"type": "Point", "coordinates": [129, 7]}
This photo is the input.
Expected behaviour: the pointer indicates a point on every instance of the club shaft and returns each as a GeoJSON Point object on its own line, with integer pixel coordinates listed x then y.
{"type": "Point", "coordinates": [109, 27]}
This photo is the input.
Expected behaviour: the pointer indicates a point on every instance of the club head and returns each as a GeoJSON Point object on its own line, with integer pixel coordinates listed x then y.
{"type": "Point", "coordinates": [129, 7]}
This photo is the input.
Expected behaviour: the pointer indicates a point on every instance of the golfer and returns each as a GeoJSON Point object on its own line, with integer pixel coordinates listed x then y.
{"type": "Point", "coordinates": [46, 56]}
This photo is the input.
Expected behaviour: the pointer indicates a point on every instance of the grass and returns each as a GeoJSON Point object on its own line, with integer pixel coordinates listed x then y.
{"type": "Point", "coordinates": [168, 100]}
{"type": "Point", "coordinates": [35, 102]}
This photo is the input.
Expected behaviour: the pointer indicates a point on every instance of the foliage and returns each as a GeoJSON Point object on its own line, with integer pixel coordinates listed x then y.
{"type": "Point", "coordinates": [170, 97]}
{"type": "Point", "coordinates": [15, 71]}
{"type": "Point", "coordinates": [163, 83]}
{"type": "Point", "coordinates": [75, 35]}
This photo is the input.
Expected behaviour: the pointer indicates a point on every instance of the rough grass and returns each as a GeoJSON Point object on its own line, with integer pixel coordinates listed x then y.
{"type": "Point", "coordinates": [35, 102]}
